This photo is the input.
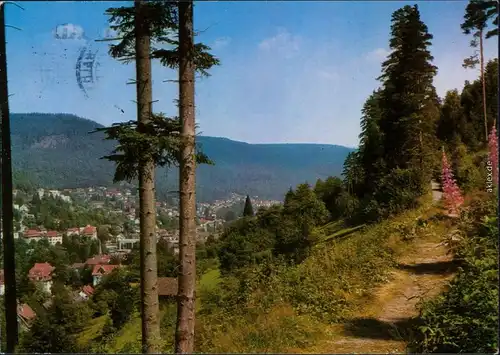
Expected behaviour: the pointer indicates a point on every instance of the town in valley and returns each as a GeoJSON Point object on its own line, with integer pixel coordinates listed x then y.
{"type": "Point", "coordinates": [112, 228]}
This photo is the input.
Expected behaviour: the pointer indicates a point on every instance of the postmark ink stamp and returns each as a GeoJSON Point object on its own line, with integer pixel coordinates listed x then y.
{"type": "Point", "coordinates": [86, 69]}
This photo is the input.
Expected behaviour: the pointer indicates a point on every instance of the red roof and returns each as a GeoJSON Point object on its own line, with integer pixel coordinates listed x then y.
{"type": "Point", "coordinates": [41, 272]}
{"type": "Point", "coordinates": [31, 233]}
{"type": "Point", "coordinates": [51, 234]}
{"type": "Point", "coordinates": [98, 260]}
{"type": "Point", "coordinates": [88, 290]}
{"type": "Point", "coordinates": [25, 311]}
{"type": "Point", "coordinates": [75, 230]}
{"type": "Point", "coordinates": [89, 230]}
{"type": "Point", "coordinates": [103, 269]}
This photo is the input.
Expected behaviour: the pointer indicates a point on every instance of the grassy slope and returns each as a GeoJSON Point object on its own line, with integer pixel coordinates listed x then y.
{"type": "Point", "coordinates": [332, 284]}
{"type": "Point", "coordinates": [336, 281]}
{"type": "Point", "coordinates": [128, 338]}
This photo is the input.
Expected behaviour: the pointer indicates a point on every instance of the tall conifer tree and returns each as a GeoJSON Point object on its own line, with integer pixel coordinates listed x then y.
{"type": "Point", "coordinates": [248, 209]}
{"type": "Point", "coordinates": [478, 14]}
{"type": "Point", "coordinates": [184, 336]}
{"type": "Point", "coordinates": [409, 102]}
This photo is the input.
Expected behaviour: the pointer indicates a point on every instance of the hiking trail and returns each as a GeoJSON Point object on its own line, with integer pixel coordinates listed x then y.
{"type": "Point", "coordinates": [381, 326]}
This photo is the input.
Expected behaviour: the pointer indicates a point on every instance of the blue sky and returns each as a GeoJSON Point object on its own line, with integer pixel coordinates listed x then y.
{"type": "Point", "coordinates": [290, 71]}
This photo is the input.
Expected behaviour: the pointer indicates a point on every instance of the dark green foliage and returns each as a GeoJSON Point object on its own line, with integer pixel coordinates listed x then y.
{"type": "Point", "coordinates": [353, 172]}
{"type": "Point", "coordinates": [399, 190]}
{"type": "Point", "coordinates": [370, 156]}
{"type": "Point", "coordinates": [465, 318]}
{"type": "Point", "coordinates": [55, 213]}
{"type": "Point", "coordinates": [478, 15]}
{"type": "Point", "coordinates": [408, 94]}
{"type": "Point", "coordinates": [394, 193]}
{"type": "Point", "coordinates": [57, 330]}
{"type": "Point", "coordinates": [159, 141]}
{"type": "Point", "coordinates": [248, 209]}
{"type": "Point", "coordinates": [230, 216]}
{"type": "Point", "coordinates": [452, 124]}
{"type": "Point", "coordinates": [330, 192]}
{"type": "Point", "coordinates": [472, 102]}
{"type": "Point", "coordinates": [476, 20]}
{"type": "Point", "coordinates": [79, 249]}
{"type": "Point", "coordinates": [491, 80]}
{"type": "Point", "coordinates": [116, 297]}
{"type": "Point", "coordinates": [244, 243]}
{"type": "Point", "coordinates": [305, 207]}
{"type": "Point", "coordinates": [276, 232]}
{"type": "Point", "coordinates": [163, 19]}
{"type": "Point", "coordinates": [461, 118]}
{"type": "Point", "coordinates": [397, 155]}
{"type": "Point", "coordinates": [23, 181]}
{"type": "Point", "coordinates": [206, 255]}
{"type": "Point", "coordinates": [56, 150]}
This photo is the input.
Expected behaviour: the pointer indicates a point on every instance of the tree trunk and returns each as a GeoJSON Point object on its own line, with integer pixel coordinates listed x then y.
{"type": "Point", "coordinates": [7, 202]}
{"type": "Point", "coordinates": [481, 58]}
{"type": "Point", "coordinates": [184, 336]}
{"type": "Point", "coordinates": [147, 216]}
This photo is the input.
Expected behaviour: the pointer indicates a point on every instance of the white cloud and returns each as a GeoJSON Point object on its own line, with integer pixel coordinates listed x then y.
{"type": "Point", "coordinates": [282, 43]}
{"type": "Point", "coordinates": [68, 31]}
{"type": "Point", "coordinates": [221, 42]}
{"type": "Point", "coordinates": [378, 55]}
{"type": "Point", "coordinates": [289, 89]}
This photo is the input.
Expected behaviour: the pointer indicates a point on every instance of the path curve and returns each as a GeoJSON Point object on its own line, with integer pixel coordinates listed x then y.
{"type": "Point", "coordinates": [383, 326]}
{"type": "Point", "coordinates": [422, 275]}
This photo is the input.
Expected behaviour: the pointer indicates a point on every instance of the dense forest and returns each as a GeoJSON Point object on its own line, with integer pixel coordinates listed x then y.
{"type": "Point", "coordinates": [286, 278]}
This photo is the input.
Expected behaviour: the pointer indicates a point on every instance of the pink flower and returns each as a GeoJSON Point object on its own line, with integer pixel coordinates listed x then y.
{"type": "Point", "coordinates": [493, 154]}
{"type": "Point", "coordinates": [452, 197]}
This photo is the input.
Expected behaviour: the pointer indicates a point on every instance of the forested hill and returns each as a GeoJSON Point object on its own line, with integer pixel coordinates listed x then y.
{"type": "Point", "coordinates": [56, 150]}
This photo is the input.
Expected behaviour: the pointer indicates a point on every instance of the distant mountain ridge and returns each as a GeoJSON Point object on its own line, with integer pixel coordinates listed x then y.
{"type": "Point", "coordinates": [56, 150]}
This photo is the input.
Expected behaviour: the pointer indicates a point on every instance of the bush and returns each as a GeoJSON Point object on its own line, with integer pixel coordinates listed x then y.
{"type": "Point", "coordinates": [394, 193]}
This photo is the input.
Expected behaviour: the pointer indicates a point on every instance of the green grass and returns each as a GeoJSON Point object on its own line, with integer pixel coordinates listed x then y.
{"type": "Point", "coordinates": [288, 312]}
{"type": "Point", "coordinates": [209, 280]}
{"type": "Point", "coordinates": [331, 227]}
{"type": "Point", "coordinates": [290, 309]}
{"type": "Point", "coordinates": [128, 338]}
{"type": "Point", "coordinates": [93, 330]}
{"type": "Point", "coordinates": [343, 233]}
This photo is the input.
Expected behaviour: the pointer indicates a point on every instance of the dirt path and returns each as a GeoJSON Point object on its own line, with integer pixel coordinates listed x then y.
{"type": "Point", "coordinates": [382, 326]}
{"type": "Point", "coordinates": [437, 193]}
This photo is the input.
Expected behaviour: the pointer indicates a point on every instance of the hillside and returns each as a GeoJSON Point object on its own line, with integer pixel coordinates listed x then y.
{"type": "Point", "coordinates": [56, 150]}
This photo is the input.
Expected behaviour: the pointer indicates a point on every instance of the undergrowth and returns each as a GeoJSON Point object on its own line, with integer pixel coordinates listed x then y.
{"type": "Point", "coordinates": [465, 318]}
{"type": "Point", "coordinates": [275, 307]}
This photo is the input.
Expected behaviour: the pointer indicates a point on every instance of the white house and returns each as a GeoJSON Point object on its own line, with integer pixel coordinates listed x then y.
{"type": "Point", "coordinates": [41, 274]}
